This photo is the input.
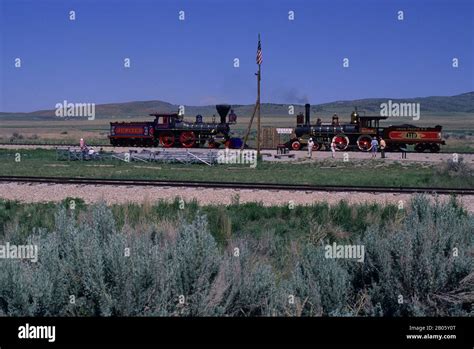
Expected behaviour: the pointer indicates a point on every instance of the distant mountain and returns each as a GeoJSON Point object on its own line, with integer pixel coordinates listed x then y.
{"type": "Point", "coordinates": [463, 103]}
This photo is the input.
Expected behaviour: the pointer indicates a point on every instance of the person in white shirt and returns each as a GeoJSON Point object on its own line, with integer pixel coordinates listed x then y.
{"type": "Point", "coordinates": [333, 148]}
{"type": "Point", "coordinates": [310, 148]}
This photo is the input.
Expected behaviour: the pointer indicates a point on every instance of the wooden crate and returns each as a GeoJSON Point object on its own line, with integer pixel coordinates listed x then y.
{"type": "Point", "coordinates": [273, 136]}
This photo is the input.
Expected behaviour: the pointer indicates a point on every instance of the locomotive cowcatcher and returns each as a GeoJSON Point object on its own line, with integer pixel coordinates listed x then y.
{"type": "Point", "coordinates": [171, 130]}
{"type": "Point", "coordinates": [359, 133]}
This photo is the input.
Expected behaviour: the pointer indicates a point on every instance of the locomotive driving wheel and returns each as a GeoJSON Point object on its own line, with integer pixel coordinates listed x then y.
{"type": "Point", "coordinates": [167, 139]}
{"type": "Point", "coordinates": [296, 145]}
{"type": "Point", "coordinates": [187, 139]}
{"type": "Point", "coordinates": [342, 142]}
{"type": "Point", "coordinates": [364, 143]}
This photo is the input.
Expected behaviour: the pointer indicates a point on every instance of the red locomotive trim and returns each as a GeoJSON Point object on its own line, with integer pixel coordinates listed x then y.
{"type": "Point", "coordinates": [131, 136]}
{"type": "Point", "coordinates": [413, 135]}
{"type": "Point", "coordinates": [129, 130]}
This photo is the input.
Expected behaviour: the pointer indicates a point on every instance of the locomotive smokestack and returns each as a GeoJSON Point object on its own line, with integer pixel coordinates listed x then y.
{"type": "Point", "coordinates": [307, 116]}
{"type": "Point", "coordinates": [223, 109]}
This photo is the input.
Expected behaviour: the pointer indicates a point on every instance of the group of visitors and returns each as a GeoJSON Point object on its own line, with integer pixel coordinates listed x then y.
{"type": "Point", "coordinates": [375, 145]}
{"type": "Point", "coordinates": [311, 148]}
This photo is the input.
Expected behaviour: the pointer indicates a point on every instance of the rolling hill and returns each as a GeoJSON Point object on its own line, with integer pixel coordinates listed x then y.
{"type": "Point", "coordinates": [435, 105]}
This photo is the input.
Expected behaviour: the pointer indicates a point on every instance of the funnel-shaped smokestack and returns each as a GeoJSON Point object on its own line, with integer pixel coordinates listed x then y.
{"type": "Point", "coordinates": [307, 116]}
{"type": "Point", "coordinates": [223, 109]}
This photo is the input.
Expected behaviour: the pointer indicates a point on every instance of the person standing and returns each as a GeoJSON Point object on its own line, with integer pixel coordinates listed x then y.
{"type": "Point", "coordinates": [310, 148]}
{"type": "Point", "coordinates": [83, 146]}
{"type": "Point", "coordinates": [383, 145]}
{"type": "Point", "coordinates": [375, 145]}
{"type": "Point", "coordinates": [333, 148]}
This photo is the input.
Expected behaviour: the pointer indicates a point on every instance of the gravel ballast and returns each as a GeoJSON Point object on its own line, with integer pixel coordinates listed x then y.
{"type": "Point", "coordinates": [137, 194]}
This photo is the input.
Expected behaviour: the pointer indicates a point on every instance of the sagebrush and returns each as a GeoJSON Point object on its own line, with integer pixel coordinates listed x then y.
{"type": "Point", "coordinates": [421, 264]}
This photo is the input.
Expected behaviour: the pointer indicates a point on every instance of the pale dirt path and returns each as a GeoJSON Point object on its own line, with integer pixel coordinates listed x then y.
{"type": "Point", "coordinates": [137, 194]}
{"type": "Point", "coordinates": [317, 155]}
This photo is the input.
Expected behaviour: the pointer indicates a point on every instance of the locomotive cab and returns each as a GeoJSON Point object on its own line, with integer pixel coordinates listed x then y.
{"type": "Point", "coordinates": [369, 124]}
{"type": "Point", "coordinates": [164, 121]}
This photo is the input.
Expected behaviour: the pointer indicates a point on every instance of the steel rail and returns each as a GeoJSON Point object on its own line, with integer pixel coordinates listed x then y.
{"type": "Point", "coordinates": [234, 185]}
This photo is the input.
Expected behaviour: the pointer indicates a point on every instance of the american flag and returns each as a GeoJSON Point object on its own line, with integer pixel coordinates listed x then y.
{"type": "Point", "coordinates": [259, 53]}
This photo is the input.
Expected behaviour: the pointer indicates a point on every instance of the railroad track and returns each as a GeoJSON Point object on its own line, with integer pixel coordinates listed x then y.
{"type": "Point", "coordinates": [111, 146]}
{"type": "Point", "coordinates": [232, 185]}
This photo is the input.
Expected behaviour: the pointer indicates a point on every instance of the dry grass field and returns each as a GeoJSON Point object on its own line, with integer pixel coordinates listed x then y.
{"type": "Point", "coordinates": [459, 129]}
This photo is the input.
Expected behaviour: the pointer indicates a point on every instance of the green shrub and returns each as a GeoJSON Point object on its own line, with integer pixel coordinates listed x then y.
{"type": "Point", "coordinates": [322, 284]}
{"type": "Point", "coordinates": [417, 260]}
{"type": "Point", "coordinates": [90, 265]}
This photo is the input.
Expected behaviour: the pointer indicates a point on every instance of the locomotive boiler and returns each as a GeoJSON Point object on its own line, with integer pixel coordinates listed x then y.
{"type": "Point", "coordinates": [359, 132]}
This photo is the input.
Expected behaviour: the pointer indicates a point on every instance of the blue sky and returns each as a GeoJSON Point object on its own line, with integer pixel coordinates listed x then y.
{"type": "Point", "coordinates": [191, 62]}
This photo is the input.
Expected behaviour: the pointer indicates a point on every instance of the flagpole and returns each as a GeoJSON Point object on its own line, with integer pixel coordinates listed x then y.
{"type": "Point", "coordinates": [256, 109]}
{"type": "Point", "coordinates": [259, 77]}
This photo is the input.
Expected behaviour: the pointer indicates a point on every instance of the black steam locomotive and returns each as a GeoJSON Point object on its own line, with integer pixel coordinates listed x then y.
{"type": "Point", "coordinates": [359, 133]}
{"type": "Point", "coordinates": [171, 130]}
